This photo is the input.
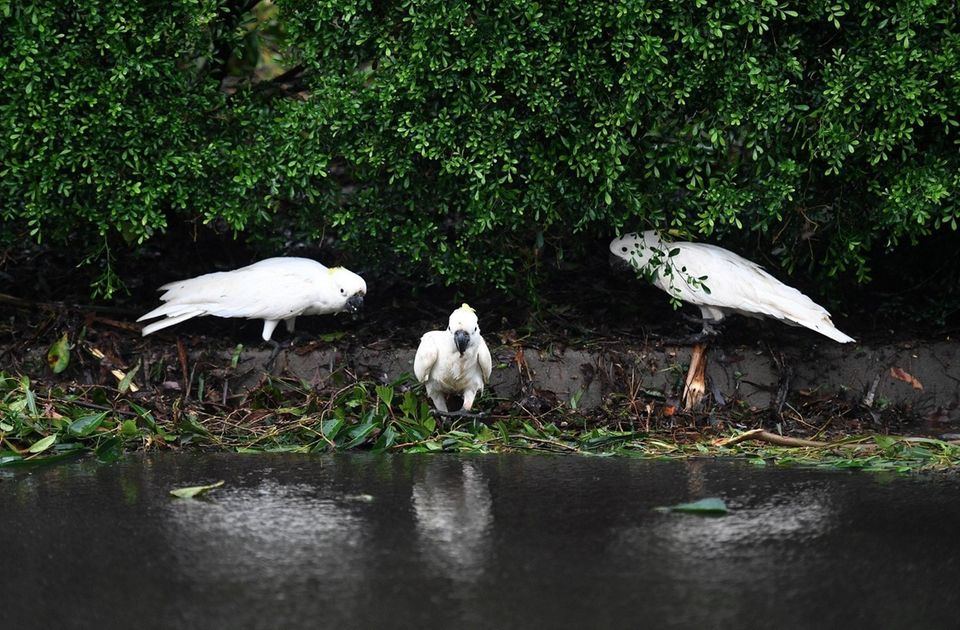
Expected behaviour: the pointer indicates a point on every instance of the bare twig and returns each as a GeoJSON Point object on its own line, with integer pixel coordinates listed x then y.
{"type": "Point", "coordinates": [772, 438]}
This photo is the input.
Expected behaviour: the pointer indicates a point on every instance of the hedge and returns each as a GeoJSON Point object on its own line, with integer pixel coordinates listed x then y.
{"type": "Point", "coordinates": [475, 141]}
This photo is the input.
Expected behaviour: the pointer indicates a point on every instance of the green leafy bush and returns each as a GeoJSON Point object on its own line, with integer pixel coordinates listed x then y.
{"type": "Point", "coordinates": [474, 140]}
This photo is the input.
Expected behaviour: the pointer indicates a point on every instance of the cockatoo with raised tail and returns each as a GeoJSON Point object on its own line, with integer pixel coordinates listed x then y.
{"type": "Point", "coordinates": [274, 290]}
{"type": "Point", "coordinates": [454, 361]}
{"type": "Point", "coordinates": [721, 283]}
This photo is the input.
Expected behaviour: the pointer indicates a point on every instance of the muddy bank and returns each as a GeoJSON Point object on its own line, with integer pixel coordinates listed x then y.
{"type": "Point", "coordinates": [922, 378]}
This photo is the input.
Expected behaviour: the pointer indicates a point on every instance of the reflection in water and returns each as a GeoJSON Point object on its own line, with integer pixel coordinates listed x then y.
{"type": "Point", "coordinates": [269, 528]}
{"type": "Point", "coordinates": [793, 512]}
{"type": "Point", "coordinates": [725, 562]}
{"type": "Point", "coordinates": [454, 519]}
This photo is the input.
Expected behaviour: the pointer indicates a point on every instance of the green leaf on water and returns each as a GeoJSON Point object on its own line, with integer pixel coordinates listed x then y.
{"type": "Point", "coordinates": [41, 445]}
{"type": "Point", "coordinates": [192, 491]}
{"type": "Point", "coordinates": [85, 425]}
{"type": "Point", "coordinates": [710, 505]}
{"type": "Point", "coordinates": [58, 357]}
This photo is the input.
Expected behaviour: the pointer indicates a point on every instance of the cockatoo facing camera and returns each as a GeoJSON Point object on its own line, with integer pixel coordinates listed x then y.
{"type": "Point", "coordinates": [454, 361]}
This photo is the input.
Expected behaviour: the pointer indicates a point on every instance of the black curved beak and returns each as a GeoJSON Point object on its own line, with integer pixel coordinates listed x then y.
{"type": "Point", "coordinates": [462, 339]}
{"type": "Point", "coordinates": [619, 264]}
{"type": "Point", "coordinates": [355, 303]}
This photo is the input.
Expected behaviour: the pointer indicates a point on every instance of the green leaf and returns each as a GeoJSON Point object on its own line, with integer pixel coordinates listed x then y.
{"type": "Point", "coordinates": [330, 428]}
{"type": "Point", "coordinates": [708, 506]}
{"type": "Point", "coordinates": [85, 425]}
{"type": "Point", "coordinates": [58, 356]}
{"type": "Point", "coordinates": [192, 491]}
{"type": "Point", "coordinates": [109, 450]}
{"type": "Point", "coordinates": [386, 439]}
{"type": "Point", "coordinates": [235, 359]}
{"type": "Point", "coordinates": [43, 444]}
{"type": "Point", "coordinates": [385, 393]}
{"type": "Point", "coordinates": [19, 462]}
{"type": "Point", "coordinates": [358, 434]}
{"type": "Point", "coordinates": [129, 428]}
{"type": "Point", "coordinates": [127, 379]}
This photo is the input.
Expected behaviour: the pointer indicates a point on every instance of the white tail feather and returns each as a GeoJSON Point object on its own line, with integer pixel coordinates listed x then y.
{"type": "Point", "coordinates": [170, 321]}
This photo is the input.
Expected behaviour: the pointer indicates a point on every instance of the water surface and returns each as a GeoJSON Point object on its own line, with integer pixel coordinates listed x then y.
{"type": "Point", "coordinates": [438, 541]}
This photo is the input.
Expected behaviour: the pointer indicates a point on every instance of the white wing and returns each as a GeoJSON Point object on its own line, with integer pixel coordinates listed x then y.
{"type": "Point", "coordinates": [276, 288]}
{"type": "Point", "coordinates": [426, 357]}
{"type": "Point", "coordinates": [485, 360]}
{"type": "Point", "coordinates": [734, 283]}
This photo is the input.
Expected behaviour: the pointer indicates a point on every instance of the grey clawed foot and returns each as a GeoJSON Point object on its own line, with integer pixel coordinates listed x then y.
{"type": "Point", "coordinates": [459, 414]}
{"type": "Point", "coordinates": [268, 364]}
{"type": "Point", "coordinates": [689, 340]}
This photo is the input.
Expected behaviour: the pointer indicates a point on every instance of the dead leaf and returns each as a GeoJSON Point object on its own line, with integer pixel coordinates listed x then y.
{"type": "Point", "coordinates": [900, 375]}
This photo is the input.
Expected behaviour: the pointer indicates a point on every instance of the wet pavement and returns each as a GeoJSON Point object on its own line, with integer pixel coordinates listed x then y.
{"type": "Point", "coordinates": [437, 541]}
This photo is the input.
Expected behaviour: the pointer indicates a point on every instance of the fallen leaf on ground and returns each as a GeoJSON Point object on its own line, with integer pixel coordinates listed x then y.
{"type": "Point", "coordinates": [900, 375]}
{"type": "Point", "coordinates": [58, 357]}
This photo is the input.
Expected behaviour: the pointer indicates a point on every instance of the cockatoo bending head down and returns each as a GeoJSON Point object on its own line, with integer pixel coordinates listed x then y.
{"type": "Point", "coordinates": [721, 283]}
{"type": "Point", "coordinates": [454, 361]}
{"type": "Point", "coordinates": [274, 289]}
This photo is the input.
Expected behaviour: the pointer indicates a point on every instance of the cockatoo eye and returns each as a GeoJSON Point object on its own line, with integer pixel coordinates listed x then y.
{"type": "Point", "coordinates": [475, 328]}
{"type": "Point", "coordinates": [623, 249]}
{"type": "Point", "coordinates": [343, 291]}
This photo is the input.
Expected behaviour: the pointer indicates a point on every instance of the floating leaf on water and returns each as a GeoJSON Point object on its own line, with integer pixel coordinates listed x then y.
{"type": "Point", "coordinates": [362, 498]}
{"type": "Point", "coordinates": [710, 505]}
{"type": "Point", "coordinates": [331, 337]}
{"type": "Point", "coordinates": [58, 357]}
{"type": "Point", "coordinates": [192, 491]}
{"type": "Point", "coordinates": [43, 444]}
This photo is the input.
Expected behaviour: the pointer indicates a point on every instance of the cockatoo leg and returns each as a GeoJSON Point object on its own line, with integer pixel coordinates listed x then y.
{"type": "Point", "coordinates": [784, 378]}
{"type": "Point", "coordinates": [268, 364]}
{"type": "Point", "coordinates": [439, 400]}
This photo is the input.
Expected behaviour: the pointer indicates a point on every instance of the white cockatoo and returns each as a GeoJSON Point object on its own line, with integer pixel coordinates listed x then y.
{"type": "Point", "coordinates": [454, 361]}
{"type": "Point", "coordinates": [274, 289]}
{"type": "Point", "coordinates": [721, 282]}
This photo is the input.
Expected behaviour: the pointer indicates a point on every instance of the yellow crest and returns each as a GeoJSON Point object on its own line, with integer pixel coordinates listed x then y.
{"type": "Point", "coordinates": [467, 307]}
